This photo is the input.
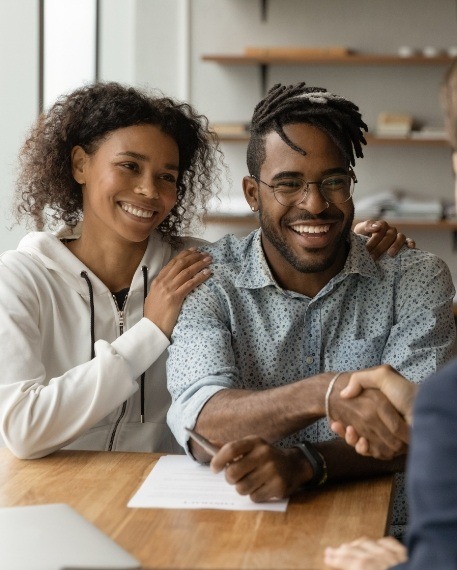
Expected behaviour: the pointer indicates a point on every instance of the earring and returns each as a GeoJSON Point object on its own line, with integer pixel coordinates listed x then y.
{"type": "Point", "coordinates": [253, 208]}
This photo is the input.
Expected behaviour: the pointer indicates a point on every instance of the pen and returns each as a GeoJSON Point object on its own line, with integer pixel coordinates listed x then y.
{"type": "Point", "coordinates": [207, 445]}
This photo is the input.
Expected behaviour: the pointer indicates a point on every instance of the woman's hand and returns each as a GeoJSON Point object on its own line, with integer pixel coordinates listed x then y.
{"type": "Point", "coordinates": [366, 554]}
{"type": "Point", "coordinates": [175, 281]}
{"type": "Point", "coordinates": [383, 238]}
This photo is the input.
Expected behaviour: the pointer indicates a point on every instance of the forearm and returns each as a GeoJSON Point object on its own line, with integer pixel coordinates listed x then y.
{"type": "Point", "coordinates": [272, 414]}
{"type": "Point", "coordinates": [37, 416]}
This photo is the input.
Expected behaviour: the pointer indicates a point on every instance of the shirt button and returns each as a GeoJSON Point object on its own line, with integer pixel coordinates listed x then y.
{"type": "Point", "coordinates": [309, 360]}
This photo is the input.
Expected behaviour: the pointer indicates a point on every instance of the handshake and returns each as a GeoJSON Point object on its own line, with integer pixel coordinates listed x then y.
{"type": "Point", "coordinates": [400, 394]}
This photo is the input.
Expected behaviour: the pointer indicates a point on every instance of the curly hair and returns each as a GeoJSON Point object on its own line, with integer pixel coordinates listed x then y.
{"type": "Point", "coordinates": [85, 117]}
{"type": "Point", "coordinates": [283, 105]}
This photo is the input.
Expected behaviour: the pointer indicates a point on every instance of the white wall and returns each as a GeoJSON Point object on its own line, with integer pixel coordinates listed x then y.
{"type": "Point", "coordinates": [117, 40]}
{"type": "Point", "coordinates": [18, 100]}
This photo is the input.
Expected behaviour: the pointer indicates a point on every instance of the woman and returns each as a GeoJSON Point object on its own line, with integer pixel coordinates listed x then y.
{"type": "Point", "coordinates": [135, 168]}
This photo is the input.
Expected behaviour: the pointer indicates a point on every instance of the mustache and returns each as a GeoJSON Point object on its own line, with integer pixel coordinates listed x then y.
{"type": "Point", "coordinates": [306, 217]}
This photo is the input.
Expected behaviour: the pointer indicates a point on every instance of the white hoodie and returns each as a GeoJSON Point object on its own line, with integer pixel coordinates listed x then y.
{"type": "Point", "coordinates": [52, 394]}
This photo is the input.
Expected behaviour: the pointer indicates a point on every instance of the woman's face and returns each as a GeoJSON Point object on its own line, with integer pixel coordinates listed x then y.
{"type": "Point", "coordinates": [129, 183]}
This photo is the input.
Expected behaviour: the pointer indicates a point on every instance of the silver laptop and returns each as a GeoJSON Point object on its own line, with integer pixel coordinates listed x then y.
{"type": "Point", "coordinates": [56, 537]}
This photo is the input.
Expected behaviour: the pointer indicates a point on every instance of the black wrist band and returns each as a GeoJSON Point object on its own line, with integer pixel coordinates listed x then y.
{"type": "Point", "coordinates": [317, 462]}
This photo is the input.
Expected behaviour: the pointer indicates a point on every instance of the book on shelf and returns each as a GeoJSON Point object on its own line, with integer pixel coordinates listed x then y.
{"type": "Point", "coordinates": [230, 129]}
{"type": "Point", "coordinates": [393, 124]}
{"type": "Point", "coordinates": [290, 52]}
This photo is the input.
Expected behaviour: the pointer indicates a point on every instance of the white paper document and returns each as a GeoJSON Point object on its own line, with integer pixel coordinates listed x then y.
{"type": "Point", "coordinates": [177, 482]}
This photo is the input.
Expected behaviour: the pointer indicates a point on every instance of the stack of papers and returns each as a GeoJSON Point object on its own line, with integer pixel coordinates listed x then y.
{"type": "Point", "coordinates": [437, 133]}
{"type": "Point", "coordinates": [178, 482]}
{"type": "Point", "coordinates": [395, 204]}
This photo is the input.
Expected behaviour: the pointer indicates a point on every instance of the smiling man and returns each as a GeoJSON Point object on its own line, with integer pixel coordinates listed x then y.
{"type": "Point", "coordinates": [263, 348]}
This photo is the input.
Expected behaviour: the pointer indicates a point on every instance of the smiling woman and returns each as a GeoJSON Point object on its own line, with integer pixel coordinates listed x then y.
{"type": "Point", "coordinates": [88, 309]}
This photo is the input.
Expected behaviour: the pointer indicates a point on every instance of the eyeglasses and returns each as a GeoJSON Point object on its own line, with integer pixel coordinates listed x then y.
{"type": "Point", "coordinates": [335, 189]}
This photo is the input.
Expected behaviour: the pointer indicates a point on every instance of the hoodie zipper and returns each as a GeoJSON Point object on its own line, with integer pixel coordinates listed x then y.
{"type": "Point", "coordinates": [120, 313]}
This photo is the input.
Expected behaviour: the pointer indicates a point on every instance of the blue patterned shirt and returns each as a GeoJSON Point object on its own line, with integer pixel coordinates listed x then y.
{"type": "Point", "coordinates": [240, 329]}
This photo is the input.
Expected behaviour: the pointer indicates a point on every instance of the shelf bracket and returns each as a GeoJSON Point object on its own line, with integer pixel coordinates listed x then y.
{"type": "Point", "coordinates": [263, 78]}
{"type": "Point", "coordinates": [454, 240]}
{"type": "Point", "coordinates": [263, 9]}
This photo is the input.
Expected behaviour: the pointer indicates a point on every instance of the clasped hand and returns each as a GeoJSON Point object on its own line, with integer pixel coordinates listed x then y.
{"type": "Point", "coordinates": [369, 417]}
{"type": "Point", "coordinates": [387, 433]}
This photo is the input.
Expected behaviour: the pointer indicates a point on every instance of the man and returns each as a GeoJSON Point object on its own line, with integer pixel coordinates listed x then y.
{"type": "Point", "coordinates": [258, 347]}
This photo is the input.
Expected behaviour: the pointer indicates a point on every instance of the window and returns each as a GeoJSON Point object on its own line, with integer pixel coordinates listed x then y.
{"type": "Point", "coordinates": [68, 46]}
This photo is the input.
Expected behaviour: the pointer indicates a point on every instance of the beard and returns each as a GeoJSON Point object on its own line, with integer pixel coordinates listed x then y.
{"type": "Point", "coordinates": [317, 260]}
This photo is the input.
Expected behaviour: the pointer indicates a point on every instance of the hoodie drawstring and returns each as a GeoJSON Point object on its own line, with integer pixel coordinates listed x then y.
{"type": "Point", "coordinates": [92, 313]}
{"type": "Point", "coordinates": [144, 269]}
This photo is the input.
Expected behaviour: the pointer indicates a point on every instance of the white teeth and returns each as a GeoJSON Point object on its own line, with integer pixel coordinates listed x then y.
{"type": "Point", "coordinates": [302, 229]}
{"type": "Point", "coordinates": [136, 211]}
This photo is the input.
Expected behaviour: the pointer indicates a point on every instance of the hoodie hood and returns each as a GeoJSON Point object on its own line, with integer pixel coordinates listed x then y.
{"type": "Point", "coordinates": [48, 249]}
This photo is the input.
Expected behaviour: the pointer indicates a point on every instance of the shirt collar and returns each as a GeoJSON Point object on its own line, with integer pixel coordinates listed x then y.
{"type": "Point", "coordinates": [256, 274]}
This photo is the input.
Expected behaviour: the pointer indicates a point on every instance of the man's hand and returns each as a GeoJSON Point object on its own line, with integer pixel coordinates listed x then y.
{"type": "Point", "coordinates": [260, 470]}
{"type": "Point", "coordinates": [366, 554]}
{"type": "Point", "coordinates": [373, 417]}
{"type": "Point", "coordinates": [400, 392]}
{"type": "Point", "coordinates": [383, 238]}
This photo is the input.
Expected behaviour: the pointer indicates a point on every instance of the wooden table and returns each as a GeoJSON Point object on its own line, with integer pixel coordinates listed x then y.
{"type": "Point", "coordinates": [99, 484]}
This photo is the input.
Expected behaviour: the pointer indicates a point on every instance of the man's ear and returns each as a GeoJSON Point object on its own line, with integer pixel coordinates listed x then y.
{"type": "Point", "coordinates": [251, 190]}
{"type": "Point", "coordinates": [78, 162]}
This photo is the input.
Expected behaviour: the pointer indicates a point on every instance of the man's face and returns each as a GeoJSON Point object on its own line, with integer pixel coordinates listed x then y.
{"type": "Point", "coordinates": [310, 237]}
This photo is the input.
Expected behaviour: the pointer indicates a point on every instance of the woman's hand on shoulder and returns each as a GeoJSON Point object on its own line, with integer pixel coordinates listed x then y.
{"type": "Point", "coordinates": [383, 238]}
{"type": "Point", "coordinates": [175, 281]}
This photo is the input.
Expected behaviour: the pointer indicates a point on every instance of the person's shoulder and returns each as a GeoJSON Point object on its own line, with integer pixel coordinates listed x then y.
{"type": "Point", "coordinates": [229, 249]}
{"type": "Point", "coordinates": [13, 258]}
{"type": "Point", "coordinates": [33, 255]}
{"type": "Point", "coordinates": [418, 259]}
{"type": "Point", "coordinates": [18, 269]}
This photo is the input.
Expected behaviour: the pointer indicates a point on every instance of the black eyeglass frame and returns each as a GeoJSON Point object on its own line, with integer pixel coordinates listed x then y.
{"type": "Point", "coordinates": [306, 185]}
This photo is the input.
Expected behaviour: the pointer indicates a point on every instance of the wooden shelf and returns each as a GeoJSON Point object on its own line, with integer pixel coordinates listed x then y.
{"type": "Point", "coordinates": [240, 220]}
{"type": "Point", "coordinates": [372, 140]}
{"type": "Point", "coordinates": [445, 225]}
{"type": "Point", "coordinates": [405, 141]}
{"type": "Point", "coordinates": [351, 59]}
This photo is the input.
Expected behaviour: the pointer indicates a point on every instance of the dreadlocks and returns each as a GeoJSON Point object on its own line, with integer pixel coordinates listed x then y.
{"type": "Point", "coordinates": [336, 116]}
